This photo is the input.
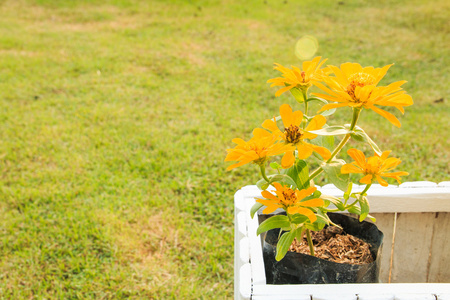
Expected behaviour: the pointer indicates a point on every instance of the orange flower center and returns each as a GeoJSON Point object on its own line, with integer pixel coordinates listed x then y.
{"type": "Point", "coordinates": [303, 74]}
{"type": "Point", "coordinates": [293, 134]}
{"type": "Point", "coordinates": [359, 79]}
{"type": "Point", "coordinates": [290, 198]}
{"type": "Point", "coordinates": [373, 167]}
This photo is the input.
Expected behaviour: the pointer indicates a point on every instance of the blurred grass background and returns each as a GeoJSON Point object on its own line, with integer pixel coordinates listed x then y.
{"type": "Point", "coordinates": [115, 116]}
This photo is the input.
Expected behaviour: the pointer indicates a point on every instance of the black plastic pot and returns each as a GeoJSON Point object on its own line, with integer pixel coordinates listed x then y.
{"type": "Point", "coordinates": [297, 268]}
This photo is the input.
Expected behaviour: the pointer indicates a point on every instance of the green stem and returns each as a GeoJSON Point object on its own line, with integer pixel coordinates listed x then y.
{"type": "Point", "coordinates": [306, 108]}
{"type": "Point", "coordinates": [356, 113]}
{"type": "Point", "coordinates": [262, 167]}
{"type": "Point", "coordinates": [364, 191]}
{"type": "Point", "coordinates": [310, 243]}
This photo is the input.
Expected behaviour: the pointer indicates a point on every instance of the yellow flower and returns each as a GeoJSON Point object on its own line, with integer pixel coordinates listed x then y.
{"type": "Point", "coordinates": [290, 200]}
{"type": "Point", "coordinates": [295, 136]}
{"type": "Point", "coordinates": [356, 87]}
{"type": "Point", "coordinates": [256, 150]}
{"type": "Point", "coordinates": [374, 167]}
{"type": "Point", "coordinates": [297, 78]}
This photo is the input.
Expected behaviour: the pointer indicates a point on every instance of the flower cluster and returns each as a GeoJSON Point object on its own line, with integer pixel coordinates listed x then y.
{"type": "Point", "coordinates": [302, 138]}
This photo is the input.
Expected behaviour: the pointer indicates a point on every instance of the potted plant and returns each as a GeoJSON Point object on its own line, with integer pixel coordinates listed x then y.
{"type": "Point", "coordinates": [307, 146]}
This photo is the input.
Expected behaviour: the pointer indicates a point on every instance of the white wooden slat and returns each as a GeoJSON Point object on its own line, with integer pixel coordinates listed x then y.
{"type": "Point", "coordinates": [363, 289]}
{"type": "Point", "coordinates": [385, 223]}
{"type": "Point", "coordinates": [412, 247]}
{"type": "Point", "coordinates": [444, 184]}
{"type": "Point", "coordinates": [245, 282]}
{"type": "Point", "coordinates": [282, 297]}
{"type": "Point", "coordinates": [376, 296]}
{"type": "Point", "coordinates": [439, 261]}
{"type": "Point", "coordinates": [244, 254]}
{"type": "Point", "coordinates": [241, 225]}
{"type": "Point", "coordinates": [239, 203]}
{"type": "Point", "coordinates": [418, 184]}
{"type": "Point", "coordinates": [415, 297]}
{"type": "Point", "coordinates": [334, 296]}
{"type": "Point", "coordinates": [443, 296]}
{"type": "Point", "coordinates": [258, 272]}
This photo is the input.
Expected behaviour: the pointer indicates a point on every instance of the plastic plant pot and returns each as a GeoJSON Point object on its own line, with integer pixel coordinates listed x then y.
{"type": "Point", "coordinates": [297, 268]}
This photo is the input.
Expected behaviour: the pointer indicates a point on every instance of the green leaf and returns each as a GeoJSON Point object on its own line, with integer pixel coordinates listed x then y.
{"type": "Point", "coordinates": [299, 172]}
{"type": "Point", "coordinates": [333, 171]}
{"type": "Point", "coordinates": [278, 221]}
{"type": "Point", "coordinates": [328, 112]}
{"type": "Point", "coordinates": [372, 218]}
{"type": "Point", "coordinates": [360, 135]}
{"type": "Point", "coordinates": [274, 165]}
{"type": "Point", "coordinates": [326, 141]}
{"type": "Point", "coordinates": [284, 243]}
{"type": "Point", "coordinates": [299, 233]}
{"type": "Point", "coordinates": [299, 219]}
{"type": "Point", "coordinates": [354, 210]}
{"type": "Point", "coordinates": [282, 178]}
{"type": "Point", "coordinates": [348, 192]}
{"type": "Point", "coordinates": [336, 201]}
{"type": "Point", "coordinates": [317, 99]}
{"type": "Point", "coordinates": [262, 184]}
{"type": "Point", "coordinates": [298, 95]}
{"type": "Point", "coordinates": [255, 208]}
{"type": "Point", "coordinates": [314, 195]}
{"type": "Point", "coordinates": [332, 130]}
{"type": "Point", "coordinates": [364, 203]}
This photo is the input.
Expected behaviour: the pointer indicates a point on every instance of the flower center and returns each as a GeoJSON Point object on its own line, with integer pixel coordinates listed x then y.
{"type": "Point", "coordinates": [290, 198]}
{"type": "Point", "coordinates": [293, 134]}
{"type": "Point", "coordinates": [359, 79]}
{"type": "Point", "coordinates": [373, 166]}
{"type": "Point", "coordinates": [303, 74]}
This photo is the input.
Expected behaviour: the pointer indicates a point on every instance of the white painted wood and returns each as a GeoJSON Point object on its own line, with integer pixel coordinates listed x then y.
{"type": "Point", "coordinates": [258, 272]}
{"type": "Point", "coordinates": [443, 296]}
{"type": "Point", "coordinates": [334, 296]}
{"type": "Point", "coordinates": [385, 223]}
{"type": "Point", "coordinates": [244, 254]}
{"type": "Point", "coordinates": [415, 297]}
{"type": "Point", "coordinates": [281, 297]}
{"type": "Point", "coordinates": [412, 247]}
{"type": "Point", "coordinates": [417, 184]}
{"type": "Point", "coordinates": [366, 296]}
{"type": "Point", "coordinates": [241, 225]}
{"type": "Point", "coordinates": [245, 282]}
{"type": "Point", "coordinates": [439, 261]}
{"type": "Point", "coordinates": [444, 184]}
{"type": "Point", "coordinates": [364, 289]}
{"type": "Point", "coordinates": [339, 289]}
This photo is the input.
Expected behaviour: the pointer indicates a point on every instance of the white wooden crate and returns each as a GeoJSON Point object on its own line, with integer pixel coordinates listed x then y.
{"type": "Point", "coordinates": [415, 217]}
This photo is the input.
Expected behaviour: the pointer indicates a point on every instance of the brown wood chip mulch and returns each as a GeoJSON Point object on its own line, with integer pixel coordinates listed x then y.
{"type": "Point", "coordinates": [333, 244]}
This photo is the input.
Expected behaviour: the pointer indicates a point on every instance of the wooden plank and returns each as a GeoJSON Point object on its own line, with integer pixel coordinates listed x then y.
{"type": "Point", "coordinates": [439, 268]}
{"type": "Point", "coordinates": [412, 247]}
{"type": "Point", "coordinates": [245, 282]}
{"type": "Point", "coordinates": [358, 288]}
{"type": "Point", "coordinates": [376, 297]}
{"type": "Point", "coordinates": [385, 223]}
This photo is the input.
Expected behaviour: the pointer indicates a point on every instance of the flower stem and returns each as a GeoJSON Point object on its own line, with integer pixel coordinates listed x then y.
{"type": "Point", "coordinates": [262, 167]}
{"type": "Point", "coordinates": [364, 191]}
{"type": "Point", "coordinates": [310, 243]}
{"type": "Point", "coordinates": [306, 107]}
{"type": "Point", "coordinates": [356, 112]}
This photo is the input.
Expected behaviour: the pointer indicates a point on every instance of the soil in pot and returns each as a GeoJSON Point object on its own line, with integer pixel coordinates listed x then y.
{"type": "Point", "coordinates": [333, 244]}
{"type": "Point", "coordinates": [299, 268]}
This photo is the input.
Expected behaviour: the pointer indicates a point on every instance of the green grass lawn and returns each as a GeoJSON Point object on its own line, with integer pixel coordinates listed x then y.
{"type": "Point", "coordinates": [115, 116]}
